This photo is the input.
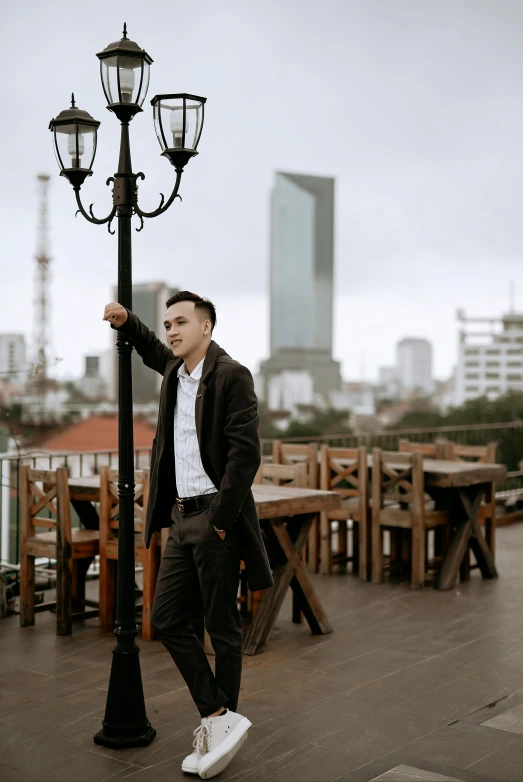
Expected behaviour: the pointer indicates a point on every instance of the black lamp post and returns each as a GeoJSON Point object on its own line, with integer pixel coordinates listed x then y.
{"type": "Point", "coordinates": [178, 121]}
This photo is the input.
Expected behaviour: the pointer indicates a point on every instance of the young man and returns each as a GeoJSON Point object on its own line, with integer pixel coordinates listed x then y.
{"type": "Point", "coordinates": [203, 461]}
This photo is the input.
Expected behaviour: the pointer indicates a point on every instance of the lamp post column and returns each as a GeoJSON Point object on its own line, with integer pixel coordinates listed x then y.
{"type": "Point", "coordinates": [125, 723]}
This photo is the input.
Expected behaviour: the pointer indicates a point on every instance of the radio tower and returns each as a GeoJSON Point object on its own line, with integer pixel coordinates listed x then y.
{"type": "Point", "coordinates": [41, 322]}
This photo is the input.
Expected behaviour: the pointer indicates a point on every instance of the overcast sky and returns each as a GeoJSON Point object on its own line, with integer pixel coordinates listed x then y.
{"type": "Point", "coordinates": [414, 106]}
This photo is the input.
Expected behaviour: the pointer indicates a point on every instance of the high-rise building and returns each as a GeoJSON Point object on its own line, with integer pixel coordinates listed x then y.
{"type": "Point", "coordinates": [13, 359]}
{"type": "Point", "coordinates": [490, 357]}
{"type": "Point", "coordinates": [149, 304]}
{"type": "Point", "coordinates": [301, 283]}
{"type": "Point", "coordinates": [414, 365]}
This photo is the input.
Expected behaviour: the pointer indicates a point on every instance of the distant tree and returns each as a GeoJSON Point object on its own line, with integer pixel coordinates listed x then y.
{"type": "Point", "coordinates": [322, 422]}
{"type": "Point", "coordinates": [475, 411]}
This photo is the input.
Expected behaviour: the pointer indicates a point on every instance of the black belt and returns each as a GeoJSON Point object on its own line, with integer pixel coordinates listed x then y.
{"type": "Point", "coordinates": [192, 504]}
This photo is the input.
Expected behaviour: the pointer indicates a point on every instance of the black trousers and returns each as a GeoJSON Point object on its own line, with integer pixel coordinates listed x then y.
{"type": "Point", "coordinates": [196, 561]}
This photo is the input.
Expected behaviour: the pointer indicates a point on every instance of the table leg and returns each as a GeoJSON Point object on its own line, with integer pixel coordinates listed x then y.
{"type": "Point", "coordinates": [284, 572]}
{"type": "Point", "coordinates": [468, 533]}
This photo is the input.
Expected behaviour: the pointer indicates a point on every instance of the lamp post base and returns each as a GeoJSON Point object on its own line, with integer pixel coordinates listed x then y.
{"type": "Point", "coordinates": [125, 723]}
{"type": "Point", "coordinates": [125, 742]}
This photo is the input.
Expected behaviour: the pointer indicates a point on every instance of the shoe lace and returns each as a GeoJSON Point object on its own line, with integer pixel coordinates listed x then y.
{"type": "Point", "coordinates": [201, 735]}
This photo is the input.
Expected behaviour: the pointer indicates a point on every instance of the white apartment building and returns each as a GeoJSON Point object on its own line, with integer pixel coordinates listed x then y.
{"type": "Point", "coordinates": [414, 365]}
{"type": "Point", "coordinates": [13, 359]}
{"type": "Point", "coordinates": [490, 357]}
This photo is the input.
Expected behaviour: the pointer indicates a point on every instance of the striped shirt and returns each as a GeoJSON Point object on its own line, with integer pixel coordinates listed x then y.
{"type": "Point", "coordinates": [191, 478]}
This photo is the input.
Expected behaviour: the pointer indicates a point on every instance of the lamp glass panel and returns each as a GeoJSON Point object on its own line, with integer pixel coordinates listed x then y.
{"type": "Point", "coordinates": [193, 123]}
{"type": "Point", "coordinates": [76, 145]}
{"type": "Point", "coordinates": [158, 118]}
{"type": "Point", "coordinates": [169, 117]}
{"type": "Point", "coordinates": [145, 83]}
{"type": "Point", "coordinates": [130, 73]}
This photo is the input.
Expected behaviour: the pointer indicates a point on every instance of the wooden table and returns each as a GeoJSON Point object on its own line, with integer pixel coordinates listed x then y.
{"type": "Point", "coordinates": [286, 516]}
{"type": "Point", "coordinates": [458, 487]}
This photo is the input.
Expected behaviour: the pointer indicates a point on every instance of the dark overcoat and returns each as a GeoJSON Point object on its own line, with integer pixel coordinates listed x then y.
{"type": "Point", "coordinates": [227, 425]}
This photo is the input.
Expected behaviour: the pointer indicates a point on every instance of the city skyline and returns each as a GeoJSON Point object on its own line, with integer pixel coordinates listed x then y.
{"type": "Point", "coordinates": [426, 161]}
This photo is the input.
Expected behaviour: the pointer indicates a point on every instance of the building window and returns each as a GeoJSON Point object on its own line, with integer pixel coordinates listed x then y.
{"type": "Point", "coordinates": [471, 389]}
{"type": "Point", "coordinates": [492, 390]}
{"type": "Point", "coordinates": [514, 378]}
{"type": "Point", "coordinates": [493, 364]}
{"type": "Point", "coordinates": [471, 376]}
{"type": "Point", "coordinates": [492, 375]}
{"type": "Point", "coordinates": [472, 364]}
{"type": "Point", "coordinates": [514, 364]}
{"type": "Point", "coordinates": [471, 352]}
{"type": "Point", "coordinates": [493, 352]}
{"type": "Point", "coordinates": [513, 352]}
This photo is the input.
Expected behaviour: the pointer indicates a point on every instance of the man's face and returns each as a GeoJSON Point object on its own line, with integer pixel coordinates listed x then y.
{"type": "Point", "coordinates": [184, 330]}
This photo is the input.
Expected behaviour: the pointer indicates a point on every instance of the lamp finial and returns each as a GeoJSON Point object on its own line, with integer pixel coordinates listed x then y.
{"type": "Point", "coordinates": [124, 30]}
{"type": "Point", "coordinates": [73, 104]}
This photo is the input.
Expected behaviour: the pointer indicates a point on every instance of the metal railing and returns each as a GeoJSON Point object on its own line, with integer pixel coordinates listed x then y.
{"type": "Point", "coordinates": [79, 464]}
{"type": "Point", "coordinates": [509, 435]}
{"type": "Point", "coordinates": [88, 463]}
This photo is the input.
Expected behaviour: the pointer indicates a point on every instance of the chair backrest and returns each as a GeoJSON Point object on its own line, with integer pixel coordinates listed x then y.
{"type": "Point", "coordinates": [288, 475]}
{"type": "Point", "coordinates": [344, 470]}
{"type": "Point", "coordinates": [110, 504]}
{"type": "Point", "coordinates": [295, 453]}
{"type": "Point", "coordinates": [435, 450]}
{"type": "Point", "coordinates": [397, 477]}
{"type": "Point", "coordinates": [483, 454]}
{"type": "Point", "coordinates": [45, 490]}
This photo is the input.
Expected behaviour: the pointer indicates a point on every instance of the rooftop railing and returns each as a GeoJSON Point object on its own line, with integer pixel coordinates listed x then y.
{"type": "Point", "coordinates": [88, 463]}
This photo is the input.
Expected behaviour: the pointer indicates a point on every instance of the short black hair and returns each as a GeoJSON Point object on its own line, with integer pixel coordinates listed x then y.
{"type": "Point", "coordinates": [202, 304]}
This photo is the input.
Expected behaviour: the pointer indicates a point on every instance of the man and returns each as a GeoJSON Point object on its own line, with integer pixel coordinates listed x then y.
{"type": "Point", "coordinates": [203, 461]}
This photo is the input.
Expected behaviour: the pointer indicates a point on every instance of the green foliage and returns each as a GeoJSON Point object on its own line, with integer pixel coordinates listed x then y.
{"type": "Point", "coordinates": [474, 412]}
{"type": "Point", "coordinates": [322, 422]}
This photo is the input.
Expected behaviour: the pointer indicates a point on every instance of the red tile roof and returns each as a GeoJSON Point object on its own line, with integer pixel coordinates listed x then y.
{"type": "Point", "coordinates": [98, 433]}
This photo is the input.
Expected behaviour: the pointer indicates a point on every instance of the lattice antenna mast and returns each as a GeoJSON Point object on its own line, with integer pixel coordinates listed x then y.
{"type": "Point", "coordinates": [41, 323]}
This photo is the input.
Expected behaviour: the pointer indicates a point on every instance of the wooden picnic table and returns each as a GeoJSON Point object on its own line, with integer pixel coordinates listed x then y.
{"type": "Point", "coordinates": [286, 516]}
{"type": "Point", "coordinates": [458, 487]}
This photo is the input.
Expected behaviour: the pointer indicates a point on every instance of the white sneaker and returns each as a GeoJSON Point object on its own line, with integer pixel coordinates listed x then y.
{"type": "Point", "coordinates": [223, 738]}
{"type": "Point", "coordinates": [190, 763]}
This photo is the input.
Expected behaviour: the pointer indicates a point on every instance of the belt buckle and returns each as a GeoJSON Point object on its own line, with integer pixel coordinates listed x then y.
{"type": "Point", "coordinates": [180, 505]}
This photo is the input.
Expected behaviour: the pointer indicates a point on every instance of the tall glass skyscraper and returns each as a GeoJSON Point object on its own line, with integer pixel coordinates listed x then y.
{"type": "Point", "coordinates": [302, 267]}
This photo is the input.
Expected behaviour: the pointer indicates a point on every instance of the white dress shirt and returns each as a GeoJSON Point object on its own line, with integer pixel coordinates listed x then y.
{"type": "Point", "coordinates": [191, 478]}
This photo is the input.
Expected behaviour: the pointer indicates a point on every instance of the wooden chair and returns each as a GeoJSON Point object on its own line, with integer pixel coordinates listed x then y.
{"type": "Point", "coordinates": [287, 475]}
{"type": "Point", "coordinates": [296, 453]}
{"type": "Point", "coordinates": [399, 503]}
{"type": "Point", "coordinates": [150, 558]}
{"type": "Point", "coordinates": [345, 471]}
{"type": "Point", "coordinates": [483, 454]}
{"type": "Point", "coordinates": [47, 490]}
{"type": "Point", "coordinates": [435, 450]}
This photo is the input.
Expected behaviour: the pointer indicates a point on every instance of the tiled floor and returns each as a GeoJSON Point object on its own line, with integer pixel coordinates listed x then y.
{"type": "Point", "coordinates": [414, 686]}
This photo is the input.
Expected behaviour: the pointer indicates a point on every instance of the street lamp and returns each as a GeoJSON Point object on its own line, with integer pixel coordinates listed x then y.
{"type": "Point", "coordinates": [178, 119]}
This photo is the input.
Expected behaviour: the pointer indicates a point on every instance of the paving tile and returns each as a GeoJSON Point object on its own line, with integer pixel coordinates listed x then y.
{"type": "Point", "coordinates": [404, 773]}
{"type": "Point", "coordinates": [8, 774]}
{"type": "Point", "coordinates": [86, 767]}
{"type": "Point", "coordinates": [456, 699]}
{"type": "Point", "coordinates": [26, 751]}
{"type": "Point", "coordinates": [505, 764]}
{"type": "Point", "coordinates": [510, 720]}
{"type": "Point", "coordinates": [370, 735]}
{"type": "Point", "coordinates": [455, 747]}
{"type": "Point", "coordinates": [58, 712]}
{"type": "Point", "coordinates": [307, 763]}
